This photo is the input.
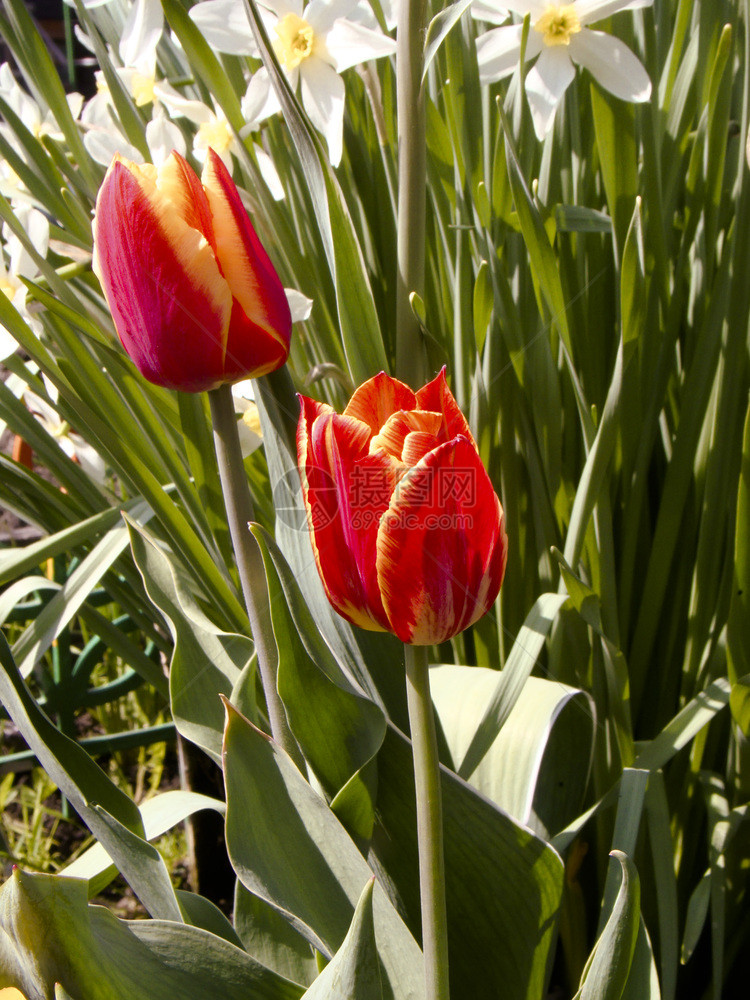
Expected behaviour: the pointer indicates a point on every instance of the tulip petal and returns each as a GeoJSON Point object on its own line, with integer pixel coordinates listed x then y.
{"type": "Point", "coordinates": [169, 301]}
{"type": "Point", "coordinates": [252, 279]}
{"type": "Point", "coordinates": [437, 396]}
{"type": "Point", "coordinates": [441, 547]}
{"type": "Point", "coordinates": [343, 523]}
{"type": "Point", "coordinates": [394, 431]}
{"type": "Point", "coordinates": [375, 400]}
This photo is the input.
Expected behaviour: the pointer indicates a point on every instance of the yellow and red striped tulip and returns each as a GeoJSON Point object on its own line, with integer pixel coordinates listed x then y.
{"type": "Point", "coordinates": [194, 297]}
{"type": "Point", "coordinates": [408, 533]}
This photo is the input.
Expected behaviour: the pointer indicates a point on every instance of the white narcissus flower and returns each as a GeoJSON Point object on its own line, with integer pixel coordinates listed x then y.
{"type": "Point", "coordinates": [44, 409]}
{"type": "Point", "coordinates": [314, 44]}
{"type": "Point", "coordinates": [559, 36]}
{"type": "Point", "coordinates": [20, 264]}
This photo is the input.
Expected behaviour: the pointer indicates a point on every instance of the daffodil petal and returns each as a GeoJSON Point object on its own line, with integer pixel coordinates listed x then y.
{"type": "Point", "coordinates": [489, 12]}
{"type": "Point", "coordinates": [350, 44]}
{"type": "Point", "coordinates": [260, 100]}
{"type": "Point", "coordinates": [141, 33]}
{"type": "Point", "coordinates": [321, 14]}
{"type": "Point", "coordinates": [323, 98]}
{"type": "Point", "coordinates": [612, 64]}
{"type": "Point", "coordinates": [546, 82]}
{"type": "Point", "coordinates": [596, 10]}
{"type": "Point", "coordinates": [499, 50]}
{"type": "Point", "coordinates": [225, 26]}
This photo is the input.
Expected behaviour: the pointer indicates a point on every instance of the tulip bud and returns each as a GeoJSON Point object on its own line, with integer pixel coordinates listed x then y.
{"type": "Point", "coordinates": [408, 533]}
{"type": "Point", "coordinates": [195, 300]}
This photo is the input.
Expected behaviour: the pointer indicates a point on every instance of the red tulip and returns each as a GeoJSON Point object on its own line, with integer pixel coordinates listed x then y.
{"type": "Point", "coordinates": [408, 533]}
{"type": "Point", "coordinates": [195, 300]}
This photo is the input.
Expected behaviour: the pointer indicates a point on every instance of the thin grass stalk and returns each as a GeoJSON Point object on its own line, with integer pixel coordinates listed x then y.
{"type": "Point", "coordinates": [412, 183]}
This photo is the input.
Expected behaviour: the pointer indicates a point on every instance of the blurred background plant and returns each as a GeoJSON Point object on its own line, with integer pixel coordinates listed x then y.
{"type": "Point", "coordinates": [587, 291]}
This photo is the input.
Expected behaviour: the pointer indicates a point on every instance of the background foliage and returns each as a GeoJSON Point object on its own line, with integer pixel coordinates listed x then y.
{"type": "Point", "coordinates": [589, 296]}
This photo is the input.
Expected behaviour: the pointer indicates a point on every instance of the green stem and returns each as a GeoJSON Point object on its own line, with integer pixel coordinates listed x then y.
{"type": "Point", "coordinates": [412, 187]}
{"type": "Point", "coordinates": [239, 508]}
{"type": "Point", "coordinates": [429, 823]}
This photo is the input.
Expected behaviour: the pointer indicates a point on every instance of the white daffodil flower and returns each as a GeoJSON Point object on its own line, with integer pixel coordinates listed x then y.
{"type": "Point", "coordinates": [20, 264]}
{"type": "Point", "coordinates": [44, 410]}
{"type": "Point", "coordinates": [103, 139]}
{"type": "Point", "coordinates": [314, 44]}
{"type": "Point", "coordinates": [38, 121]}
{"type": "Point", "coordinates": [560, 38]}
{"type": "Point", "coordinates": [215, 132]}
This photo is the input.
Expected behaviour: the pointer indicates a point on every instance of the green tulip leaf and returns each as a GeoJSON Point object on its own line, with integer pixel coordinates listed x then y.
{"type": "Point", "coordinates": [354, 971]}
{"type": "Point", "coordinates": [502, 881]}
{"type": "Point", "coordinates": [510, 681]}
{"type": "Point", "coordinates": [537, 767]}
{"type": "Point", "coordinates": [609, 965]}
{"type": "Point", "coordinates": [269, 937]}
{"type": "Point", "coordinates": [314, 874]}
{"type": "Point", "coordinates": [206, 662]}
{"type": "Point", "coordinates": [50, 934]}
{"type": "Point", "coordinates": [159, 814]}
{"type": "Point", "coordinates": [338, 730]}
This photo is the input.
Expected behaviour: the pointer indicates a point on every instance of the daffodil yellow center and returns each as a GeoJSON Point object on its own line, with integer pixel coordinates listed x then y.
{"type": "Point", "coordinates": [143, 89]}
{"type": "Point", "coordinates": [558, 23]}
{"type": "Point", "coordinates": [295, 42]}
{"type": "Point", "coordinates": [8, 288]}
{"type": "Point", "coordinates": [216, 134]}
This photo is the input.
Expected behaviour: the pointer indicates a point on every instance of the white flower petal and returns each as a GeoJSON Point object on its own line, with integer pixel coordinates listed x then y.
{"type": "Point", "coordinates": [492, 13]}
{"type": "Point", "coordinates": [612, 64]}
{"type": "Point", "coordinates": [8, 344]}
{"type": "Point", "coordinates": [362, 13]}
{"type": "Point", "coordinates": [523, 7]}
{"type": "Point", "coordinates": [596, 10]}
{"type": "Point", "coordinates": [195, 111]}
{"type": "Point", "coordinates": [323, 98]}
{"type": "Point", "coordinates": [141, 32]}
{"type": "Point", "coordinates": [224, 25]}
{"type": "Point", "coordinates": [499, 49]}
{"type": "Point", "coordinates": [270, 174]}
{"type": "Point", "coordinates": [102, 144]}
{"type": "Point", "coordinates": [243, 392]}
{"type": "Point", "coordinates": [260, 100]}
{"type": "Point", "coordinates": [350, 44]}
{"type": "Point", "coordinates": [299, 304]}
{"type": "Point", "coordinates": [546, 82]}
{"type": "Point", "coordinates": [320, 14]}
{"type": "Point", "coordinates": [282, 7]}
{"type": "Point", "coordinates": [162, 137]}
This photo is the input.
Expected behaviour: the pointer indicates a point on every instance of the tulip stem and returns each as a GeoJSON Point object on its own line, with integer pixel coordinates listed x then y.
{"type": "Point", "coordinates": [429, 823]}
{"type": "Point", "coordinates": [239, 509]}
